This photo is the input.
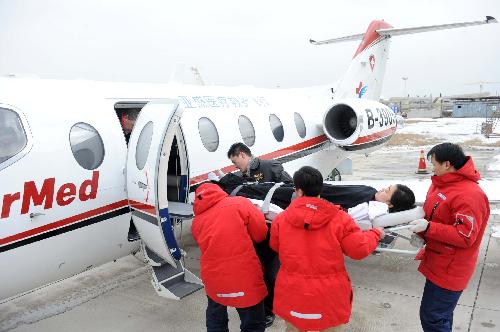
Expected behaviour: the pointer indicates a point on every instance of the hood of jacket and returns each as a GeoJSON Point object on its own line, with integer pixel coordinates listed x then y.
{"type": "Point", "coordinates": [206, 196]}
{"type": "Point", "coordinates": [467, 171]}
{"type": "Point", "coordinates": [311, 212]}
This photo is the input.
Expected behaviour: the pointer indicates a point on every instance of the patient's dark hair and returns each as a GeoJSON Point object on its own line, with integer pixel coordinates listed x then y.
{"type": "Point", "coordinates": [402, 199]}
{"type": "Point", "coordinates": [309, 180]}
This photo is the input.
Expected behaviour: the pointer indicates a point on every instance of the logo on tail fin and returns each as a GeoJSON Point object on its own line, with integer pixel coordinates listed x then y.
{"type": "Point", "coordinates": [371, 59]}
{"type": "Point", "coordinates": [361, 90]}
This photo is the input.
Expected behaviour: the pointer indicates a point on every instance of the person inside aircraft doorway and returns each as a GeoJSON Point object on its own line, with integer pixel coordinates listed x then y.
{"type": "Point", "coordinates": [257, 170]}
{"type": "Point", "coordinates": [127, 120]}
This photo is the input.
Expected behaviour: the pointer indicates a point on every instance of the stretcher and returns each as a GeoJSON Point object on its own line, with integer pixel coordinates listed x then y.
{"type": "Point", "coordinates": [392, 223]}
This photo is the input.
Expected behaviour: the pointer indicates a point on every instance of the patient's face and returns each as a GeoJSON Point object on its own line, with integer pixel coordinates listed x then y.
{"type": "Point", "coordinates": [384, 195]}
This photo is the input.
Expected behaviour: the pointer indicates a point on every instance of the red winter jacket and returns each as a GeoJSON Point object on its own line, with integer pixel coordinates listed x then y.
{"type": "Point", "coordinates": [313, 290]}
{"type": "Point", "coordinates": [459, 211]}
{"type": "Point", "coordinates": [225, 229]}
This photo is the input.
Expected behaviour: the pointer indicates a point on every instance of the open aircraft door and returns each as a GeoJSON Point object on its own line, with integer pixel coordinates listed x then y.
{"type": "Point", "coordinates": [157, 187]}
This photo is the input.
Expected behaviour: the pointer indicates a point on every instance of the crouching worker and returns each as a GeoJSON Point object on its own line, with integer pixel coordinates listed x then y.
{"type": "Point", "coordinates": [313, 290]}
{"type": "Point", "coordinates": [225, 229]}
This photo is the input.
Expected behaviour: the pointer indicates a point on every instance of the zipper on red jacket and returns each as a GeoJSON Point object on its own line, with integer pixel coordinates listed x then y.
{"type": "Point", "coordinates": [433, 209]}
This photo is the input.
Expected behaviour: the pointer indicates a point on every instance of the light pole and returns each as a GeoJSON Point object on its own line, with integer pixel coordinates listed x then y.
{"type": "Point", "coordinates": [404, 83]}
{"type": "Point", "coordinates": [407, 99]}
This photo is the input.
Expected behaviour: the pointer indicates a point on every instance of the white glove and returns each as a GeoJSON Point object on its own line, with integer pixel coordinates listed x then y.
{"type": "Point", "coordinates": [419, 225]}
{"type": "Point", "coordinates": [221, 173]}
{"type": "Point", "coordinates": [213, 177]}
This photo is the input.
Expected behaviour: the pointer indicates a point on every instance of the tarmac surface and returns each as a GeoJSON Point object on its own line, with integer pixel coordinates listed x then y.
{"type": "Point", "coordinates": [118, 296]}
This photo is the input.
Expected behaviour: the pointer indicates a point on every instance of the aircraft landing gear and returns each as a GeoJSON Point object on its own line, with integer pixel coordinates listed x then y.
{"type": "Point", "coordinates": [334, 175]}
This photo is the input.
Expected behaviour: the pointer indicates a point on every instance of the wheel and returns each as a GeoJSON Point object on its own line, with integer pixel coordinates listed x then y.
{"type": "Point", "coordinates": [334, 175]}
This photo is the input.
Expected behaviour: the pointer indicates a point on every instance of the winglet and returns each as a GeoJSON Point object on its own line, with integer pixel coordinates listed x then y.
{"type": "Point", "coordinates": [491, 19]}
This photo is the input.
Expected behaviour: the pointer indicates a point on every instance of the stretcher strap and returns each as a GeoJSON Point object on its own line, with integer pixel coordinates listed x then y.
{"type": "Point", "coordinates": [267, 200]}
{"type": "Point", "coordinates": [235, 190]}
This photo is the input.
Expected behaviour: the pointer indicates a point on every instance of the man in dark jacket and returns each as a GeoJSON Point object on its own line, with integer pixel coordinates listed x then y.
{"type": "Point", "coordinates": [225, 229]}
{"type": "Point", "coordinates": [256, 170]}
{"type": "Point", "coordinates": [456, 214]}
{"type": "Point", "coordinates": [313, 290]}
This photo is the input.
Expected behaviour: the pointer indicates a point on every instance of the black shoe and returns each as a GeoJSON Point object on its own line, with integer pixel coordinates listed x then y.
{"type": "Point", "coordinates": [269, 320]}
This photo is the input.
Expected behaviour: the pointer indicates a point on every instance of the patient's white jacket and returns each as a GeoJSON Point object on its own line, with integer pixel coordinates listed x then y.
{"type": "Point", "coordinates": [364, 213]}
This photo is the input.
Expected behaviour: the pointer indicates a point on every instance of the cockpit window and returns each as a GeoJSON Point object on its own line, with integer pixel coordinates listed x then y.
{"type": "Point", "coordinates": [86, 145]}
{"type": "Point", "coordinates": [13, 137]}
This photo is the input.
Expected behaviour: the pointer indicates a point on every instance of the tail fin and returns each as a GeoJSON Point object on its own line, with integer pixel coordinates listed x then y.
{"type": "Point", "coordinates": [365, 74]}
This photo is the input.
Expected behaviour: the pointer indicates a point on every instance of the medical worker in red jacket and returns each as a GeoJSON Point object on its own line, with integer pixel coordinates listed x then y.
{"type": "Point", "coordinates": [313, 290]}
{"type": "Point", "coordinates": [225, 229]}
{"type": "Point", "coordinates": [456, 214]}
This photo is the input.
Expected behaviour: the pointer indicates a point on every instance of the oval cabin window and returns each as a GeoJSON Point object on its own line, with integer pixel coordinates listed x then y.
{"type": "Point", "coordinates": [246, 130]}
{"type": "Point", "coordinates": [143, 145]}
{"type": "Point", "coordinates": [208, 133]}
{"type": "Point", "coordinates": [86, 145]}
{"type": "Point", "coordinates": [276, 127]}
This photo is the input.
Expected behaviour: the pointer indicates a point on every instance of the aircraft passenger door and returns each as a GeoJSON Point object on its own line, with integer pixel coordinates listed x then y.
{"type": "Point", "coordinates": [147, 172]}
{"type": "Point", "coordinates": [157, 170]}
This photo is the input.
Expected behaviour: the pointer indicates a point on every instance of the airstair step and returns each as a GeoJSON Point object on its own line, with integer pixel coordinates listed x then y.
{"type": "Point", "coordinates": [175, 282]}
{"type": "Point", "coordinates": [167, 271]}
{"type": "Point", "coordinates": [180, 287]}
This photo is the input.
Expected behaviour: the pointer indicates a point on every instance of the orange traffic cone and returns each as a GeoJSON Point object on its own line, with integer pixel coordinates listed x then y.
{"type": "Point", "coordinates": [422, 168]}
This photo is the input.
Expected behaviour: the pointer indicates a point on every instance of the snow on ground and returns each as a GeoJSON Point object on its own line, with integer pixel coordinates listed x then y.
{"type": "Point", "coordinates": [495, 231]}
{"type": "Point", "coordinates": [457, 130]}
{"type": "Point", "coordinates": [495, 164]}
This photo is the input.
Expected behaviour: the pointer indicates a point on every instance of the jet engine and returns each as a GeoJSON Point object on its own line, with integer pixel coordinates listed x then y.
{"type": "Point", "coordinates": [358, 124]}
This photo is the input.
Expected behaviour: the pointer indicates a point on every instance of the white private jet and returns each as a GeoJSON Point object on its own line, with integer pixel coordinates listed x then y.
{"type": "Point", "coordinates": [75, 195]}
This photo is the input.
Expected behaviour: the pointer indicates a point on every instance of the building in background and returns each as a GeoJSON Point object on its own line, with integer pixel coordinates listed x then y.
{"type": "Point", "coordinates": [480, 107]}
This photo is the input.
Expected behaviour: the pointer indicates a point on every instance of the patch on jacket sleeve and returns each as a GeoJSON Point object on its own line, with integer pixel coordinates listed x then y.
{"type": "Point", "coordinates": [442, 196]}
{"type": "Point", "coordinates": [465, 224]}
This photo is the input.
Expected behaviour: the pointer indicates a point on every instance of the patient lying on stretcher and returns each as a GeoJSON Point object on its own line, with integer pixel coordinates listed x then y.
{"type": "Point", "coordinates": [394, 198]}
{"type": "Point", "coordinates": [390, 206]}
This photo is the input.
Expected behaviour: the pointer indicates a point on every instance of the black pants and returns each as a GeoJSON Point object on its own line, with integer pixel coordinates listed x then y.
{"type": "Point", "coordinates": [270, 263]}
{"type": "Point", "coordinates": [252, 318]}
{"type": "Point", "coordinates": [436, 308]}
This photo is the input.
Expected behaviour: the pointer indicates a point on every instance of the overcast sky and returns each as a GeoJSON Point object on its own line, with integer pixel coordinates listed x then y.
{"type": "Point", "coordinates": [260, 42]}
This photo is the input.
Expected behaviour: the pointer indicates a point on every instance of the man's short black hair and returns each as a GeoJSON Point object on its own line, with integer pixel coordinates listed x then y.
{"type": "Point", "coordinates": [402, 199]}
{"type": "Point", "coordinates": [448, 152]}
{"type": "Point", "coordinates": [309, 180]}
{"type": "Point", "coordinates": [236, 148]}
